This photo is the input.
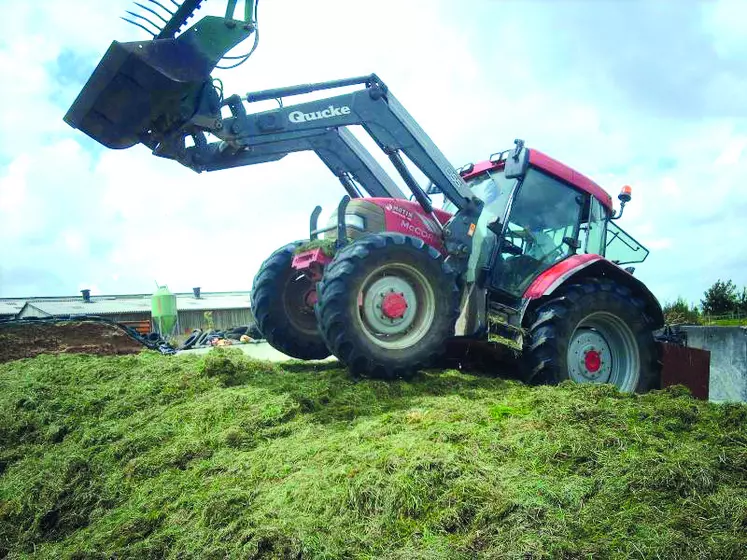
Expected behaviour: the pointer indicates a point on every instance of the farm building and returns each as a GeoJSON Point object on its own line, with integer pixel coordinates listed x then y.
{"type": "Point", "coordinates": [9, 308]}
{"type": "Point", "coordinates": [227, 309]}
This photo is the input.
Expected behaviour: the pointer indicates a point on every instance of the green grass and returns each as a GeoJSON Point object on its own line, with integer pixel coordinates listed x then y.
{"type": "Point", "coordinates": [219, 456]}
{"type": "Point", "coordinates": [728, 322]}
{"type": "Point", "coordinates": [327, 246]}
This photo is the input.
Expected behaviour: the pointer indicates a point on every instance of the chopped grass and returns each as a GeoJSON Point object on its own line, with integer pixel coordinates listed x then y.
{"type": "Point", "coordinates": [220, 456]}
{"type": "Point", "coordinates": [497, 325]}
{"type": "Point", "coordinates": [328, 246]}
{"type": "Point", "coordinates": [729, 322]}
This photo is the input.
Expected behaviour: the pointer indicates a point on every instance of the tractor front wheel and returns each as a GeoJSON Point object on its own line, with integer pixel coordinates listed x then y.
{"type": "Point", "coordinates": [282, 303]}
{"type": "Point", "coordinates": [593, 331]}
{"type": "Point", "coordinates": [387, 304]}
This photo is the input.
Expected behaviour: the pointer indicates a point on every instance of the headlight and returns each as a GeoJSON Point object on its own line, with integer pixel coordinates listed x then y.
{"type": "Point", "coordinates": [353, 220]}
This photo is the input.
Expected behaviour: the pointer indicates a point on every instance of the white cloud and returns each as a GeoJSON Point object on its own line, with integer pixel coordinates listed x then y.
{"type": "Point", "coordinates": [13, 189]}
{"type": "Point", "coordinates": [724, 21]}
{"type": "Point", "coordinates": [603, 93]}
{"type": "Point", "coordinates": [732, 153]}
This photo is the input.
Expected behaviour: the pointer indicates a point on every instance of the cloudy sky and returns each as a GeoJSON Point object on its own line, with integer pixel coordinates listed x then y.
{"type": "Point", "coordinates": [651, 94]}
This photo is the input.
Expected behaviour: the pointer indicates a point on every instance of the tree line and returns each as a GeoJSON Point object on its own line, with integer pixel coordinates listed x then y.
{"type": "Point", "coordinates": [721, 299]}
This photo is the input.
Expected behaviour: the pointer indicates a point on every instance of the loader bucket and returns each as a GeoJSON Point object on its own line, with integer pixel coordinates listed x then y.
{"type": "Point", "coordinates": [152, 87]}
{"type": "Point", "coordinates": [136, 88]}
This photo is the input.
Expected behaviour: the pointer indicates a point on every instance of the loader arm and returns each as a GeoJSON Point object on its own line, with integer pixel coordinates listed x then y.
{"type": "Point", "coordinates": [160, 93]}
{"type": "Point", "coordinates": [373, 107]}
{"type": "Point", "coordinates": [321, 125]}
{"type": "Point", "coordinates": [338, 148]}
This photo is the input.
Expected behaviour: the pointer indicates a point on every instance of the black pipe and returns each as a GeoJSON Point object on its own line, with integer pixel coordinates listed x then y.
{"type": "Point", "coordinates": [348, 185]}
{"type": "Point", "coordinates": [342, 228]}
{"type": "Point", "coordinates": [314, 223]}
{"type": "Point", "coordinates": [410, 181]}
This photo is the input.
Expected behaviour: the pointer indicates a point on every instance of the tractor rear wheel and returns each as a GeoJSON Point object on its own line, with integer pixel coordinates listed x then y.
{"type": "Point", "coordinates": [282, 303]}
{"type": "Point", "coordinates": [593, 331]}
{"type": "Point", "coordinates": [387, 304]}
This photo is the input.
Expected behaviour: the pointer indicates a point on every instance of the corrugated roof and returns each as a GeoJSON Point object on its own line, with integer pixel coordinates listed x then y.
{"type": "Point", "coordinates": [114, 305]}
{"type": "Point", "coordinates": [11, 307]}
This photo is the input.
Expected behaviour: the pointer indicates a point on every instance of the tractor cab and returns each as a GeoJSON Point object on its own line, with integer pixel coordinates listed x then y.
{"type": "Point", "coordinates": [535, 217]}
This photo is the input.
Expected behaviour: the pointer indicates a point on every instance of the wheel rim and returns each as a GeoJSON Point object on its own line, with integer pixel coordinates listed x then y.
{"type": "Point", "coordinates": [295, 302]}
{"type": "Point", "coordinates": [603, 349]}
{"type": "Point", "coordinates": [396, 306]}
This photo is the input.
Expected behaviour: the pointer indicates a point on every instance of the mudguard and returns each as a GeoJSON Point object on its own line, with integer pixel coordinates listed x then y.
{"type": "Point", "coordinates": [578, 266]}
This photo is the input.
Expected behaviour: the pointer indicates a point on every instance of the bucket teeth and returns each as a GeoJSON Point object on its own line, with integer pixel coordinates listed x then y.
{"type": "Point", "coordinates": [140, 26]}
{"type": "Point", "coordinates": [143, 18]}
{"type": "Point", "coordinates": [164, 8]}
{"type": "Point", "coordinates": [172, 24]}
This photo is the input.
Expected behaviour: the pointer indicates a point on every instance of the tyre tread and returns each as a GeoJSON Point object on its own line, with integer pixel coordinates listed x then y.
{"type": "Point", "coordinates": [331, 314]}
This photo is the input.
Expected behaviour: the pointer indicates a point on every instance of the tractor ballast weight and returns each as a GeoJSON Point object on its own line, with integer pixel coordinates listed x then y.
{"type": "Point", "coordinates": [143, 91]}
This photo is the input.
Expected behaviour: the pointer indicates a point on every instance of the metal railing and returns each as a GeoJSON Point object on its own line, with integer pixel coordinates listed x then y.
{"type": "Point", "coordinates": [735, 318]}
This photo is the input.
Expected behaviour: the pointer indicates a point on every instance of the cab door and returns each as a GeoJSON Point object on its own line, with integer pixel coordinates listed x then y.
{"type": "Point", "coordinates": [541, 229]}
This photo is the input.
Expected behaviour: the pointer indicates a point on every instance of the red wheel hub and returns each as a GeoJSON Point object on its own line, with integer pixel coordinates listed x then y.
{"type": "Point", "coordinates": [592, 361]}
{"type": "Point", "coordinates": [394, 305]}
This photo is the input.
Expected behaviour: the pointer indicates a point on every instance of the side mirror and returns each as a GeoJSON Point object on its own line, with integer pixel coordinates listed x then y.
{"type": "Point", "coordinates": [517, 162]}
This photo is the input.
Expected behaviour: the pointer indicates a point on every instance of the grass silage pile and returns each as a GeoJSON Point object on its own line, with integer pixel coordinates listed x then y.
{"type": "Point", "coordinates": [219, 456]}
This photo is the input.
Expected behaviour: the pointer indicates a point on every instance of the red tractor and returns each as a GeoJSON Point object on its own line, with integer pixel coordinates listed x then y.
{"type": "Point", "coordinates": [545, 264]}
{"type": "Point", "coordinates": [523, 244]}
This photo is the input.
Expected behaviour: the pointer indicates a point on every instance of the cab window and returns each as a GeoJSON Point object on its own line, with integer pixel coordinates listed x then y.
{"type": "Point", "coordinates": [542, 229]}
{"type": "Point", "coordinates": [622, 248]}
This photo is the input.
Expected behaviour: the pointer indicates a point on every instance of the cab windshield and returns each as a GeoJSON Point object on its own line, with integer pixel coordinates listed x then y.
{"type": "Point", "coordinates": [493, 189]}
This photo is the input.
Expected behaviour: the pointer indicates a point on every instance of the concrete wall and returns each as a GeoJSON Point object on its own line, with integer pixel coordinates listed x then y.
{"type": "Point", "coordinates": [728, 347]}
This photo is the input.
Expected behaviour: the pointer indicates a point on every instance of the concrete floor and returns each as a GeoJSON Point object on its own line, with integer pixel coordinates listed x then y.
{"type": "Point", "coordinates": [256, 350]}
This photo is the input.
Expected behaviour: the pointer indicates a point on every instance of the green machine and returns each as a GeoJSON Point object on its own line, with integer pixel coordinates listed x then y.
{"type": "Point", "coordinates": [163, 311]}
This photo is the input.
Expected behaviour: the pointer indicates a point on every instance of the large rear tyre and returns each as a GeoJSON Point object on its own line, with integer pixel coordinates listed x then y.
{"type": "Point", "coordinates": [593, 331]}
{"type": "Point", "coordinates": [282, 307]}
{"type": "Point", "coordinates": [386, 305]}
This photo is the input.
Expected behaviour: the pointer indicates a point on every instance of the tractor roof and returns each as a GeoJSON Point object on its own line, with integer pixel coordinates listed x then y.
{"type": "Point", "coordinates": [555, 168]}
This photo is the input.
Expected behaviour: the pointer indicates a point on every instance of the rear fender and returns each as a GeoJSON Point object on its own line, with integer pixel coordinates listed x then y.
{"type": "Point", "coordinates": [590, 266]}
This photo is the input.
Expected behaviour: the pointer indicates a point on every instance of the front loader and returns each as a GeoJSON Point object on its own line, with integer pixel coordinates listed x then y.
{"type": "Point", "coordinates": [523, 245]}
